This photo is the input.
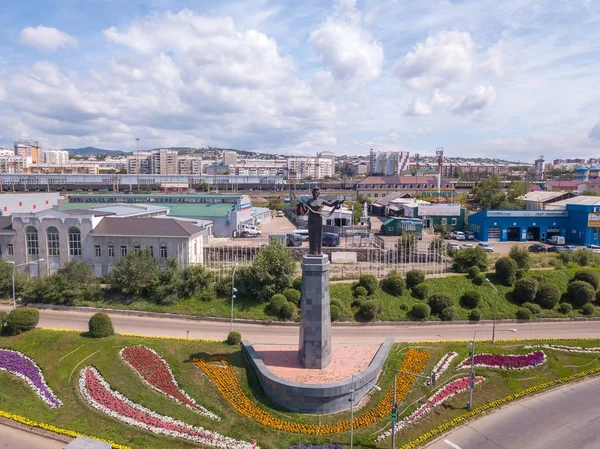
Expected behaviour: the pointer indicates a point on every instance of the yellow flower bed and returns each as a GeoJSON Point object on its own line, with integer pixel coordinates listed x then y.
{"type": "Point", "coordinates": [458, 420]}
{"type": "Point", "coordinates": [51, 428]}
{"type": "Point", "coordinates": [224, 378]}
{"type": "Point", "coordinates": [156, 337]}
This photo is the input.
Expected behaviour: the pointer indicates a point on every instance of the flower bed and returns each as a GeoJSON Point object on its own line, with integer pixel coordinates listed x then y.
{"type": "Point", "coordinates": [443, 394]}
{"type": "Point", "coordinates": [20, 365]}
{"type": "Point", "coordinates": [568, 348]}
{"type": "Point", "coordinates": [312, 446]}
{"type": "Point", "coordinates": [222, 375]}
{"type": "Point", "coordinates": [97, 393]}
{"type": "Point", "coordinates": [442, 366]}
{"type": "Point", "coordinates": [156, 373]}
{"type": "Point", "coordinates": [501, 361]}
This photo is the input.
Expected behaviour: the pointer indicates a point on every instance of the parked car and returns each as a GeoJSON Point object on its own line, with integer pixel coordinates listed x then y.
{"type": "Point", "coordinates": [570, 248]}
{"type": "Point", "coordinates": [251, 232]}
{"type": "Point", "coordinates": [459, 235]}
{"type": "Point", "coordinates": [453, 246]}
{"type": "Point", "coordinates": [486, 247]}
{"type": "Point", "coordinates": [466, 245]}
{"type": "Point", "coordinates": [560, 248]}
{"type": "Point", "coordinates": [556, 240]}
{"type": "Point", "coordinates": [302, 233]}
{"type": "Point", "coordinates": [330, 239]}
{"type": "Point", "coordinates": [470, 235]}
{"type": "Point", "coordinates": [450, 235]}
{"type": "Point", "coordinates": [280, 213]}
{"type": "Point", "coordinates": [593, 248]}
{"type": "Point", "coordinates": [537, 248]}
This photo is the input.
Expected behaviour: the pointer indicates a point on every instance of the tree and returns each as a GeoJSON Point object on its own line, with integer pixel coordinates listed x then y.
{"type": "Point", "coordinates": [516, 190]}
{"type": "Point", "coordinates": [489, 194]}
{"type": "Point", "coordinates": [21, 280]}
{"type": "Point", "coordinates": [358, 212]}
{"type": "Point", "coordinates": [272, 272]}
{"type": "Point", "coordinates": [506, 270]}
{"type": "Point", "coordinates": [470, 257]}
{"type": "Point", "coordinates": [137, 273]}
{"type": "Point", "coordinates": [521, 255]}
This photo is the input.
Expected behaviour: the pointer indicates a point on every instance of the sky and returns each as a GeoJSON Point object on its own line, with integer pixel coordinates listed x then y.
{"type": "Point", "coordinates": [512, 79]}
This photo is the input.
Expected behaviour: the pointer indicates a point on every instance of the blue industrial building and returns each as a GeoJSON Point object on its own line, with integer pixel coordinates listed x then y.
{"type": "Point", "coordinates": [579, 224]}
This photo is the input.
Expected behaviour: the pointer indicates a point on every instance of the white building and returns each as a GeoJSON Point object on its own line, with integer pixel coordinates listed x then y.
{"type": "Point", "coordinates": [56, 157]}
{"type": "Point", "coordinates": [190, 164]}
{"type": "Point", "coordinates": [11, 203]}
{"type": "Point", "coordinates": [391, 163]}
{"type": "Point", "coordinates": [229, 157]}
{"type": "Point", "coordinates": [309, 168]}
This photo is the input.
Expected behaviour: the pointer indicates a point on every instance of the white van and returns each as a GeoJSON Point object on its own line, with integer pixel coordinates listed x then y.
{"type": "Point", "coordinates": [556, 240]}
{"type": "Point", "coordinates": [302, 233]}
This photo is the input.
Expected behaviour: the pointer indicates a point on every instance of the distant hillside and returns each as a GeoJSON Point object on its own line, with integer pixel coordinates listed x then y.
{"type": "Point", "coordinates": [92, 151]}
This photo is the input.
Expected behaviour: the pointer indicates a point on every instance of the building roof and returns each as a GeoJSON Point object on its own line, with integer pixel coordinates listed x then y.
{"type": "Point", "coordinates": [542, 196]}
{"type": "Point", "coordinates": [178, 209]}
{"type": "Point", "coordinates": [582, 168]}
{"type": "Point", "coordinates": [6, 224]}
{"type": "Point", "coordinates": [124, 210]}
{"type": "Point", "coordinates": [565, 184]}
{"type": "Point", "coordinates": [145, 227]}
{"type": "Point", "coordinates": [401, 180]}
{"type": "Point", "coordinates": [391, 197]}
{"type": "Point", "coordinates": [581, 200]}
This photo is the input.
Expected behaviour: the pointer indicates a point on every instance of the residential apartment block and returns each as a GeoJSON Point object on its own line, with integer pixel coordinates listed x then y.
{"type": "Point", "coordinates": [391, 163]}
{"type": "Point", "coordinates": [308, 168]}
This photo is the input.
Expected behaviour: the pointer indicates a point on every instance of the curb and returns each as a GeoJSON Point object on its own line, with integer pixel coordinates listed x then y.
{"type": "Point", "coordinates": [35, 430]}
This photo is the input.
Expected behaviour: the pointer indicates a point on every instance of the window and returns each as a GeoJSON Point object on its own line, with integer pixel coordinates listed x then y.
{"type": "Point", "coordinates": [33, 248]}
{"type": "Point", "coordinates": [136, 247]}
{"type": "Point", "coordinates": [9, 250]}
{"type": "Point", "coordinates": [97, 251]}
{"type": "Point", "coordinates": [123, 250]}
{"type": "Point", "coordinates": [111, 250]}
{"type": "Point", "coordinates": [444, 221]}
{"type": "Point", "coordinates": [454, 221]}
{"type": "Point", "coordinates": [151, 249]}
{"type": "Point", "coordinates": [163, 251]}
{"type": "Point", "coordinates": [195, 248]}
{"type": "Point", "coordinates": [74, 242]}
{"type": "Point", "coordinates": [53, 241]}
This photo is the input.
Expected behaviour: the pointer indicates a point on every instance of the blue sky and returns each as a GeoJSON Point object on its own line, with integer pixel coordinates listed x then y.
{"type": "Point", "coordinates": [512, 79]}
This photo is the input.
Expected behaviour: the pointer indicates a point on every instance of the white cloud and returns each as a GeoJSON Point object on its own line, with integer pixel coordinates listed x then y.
{"type": "Point", "coordinates": [348, 50]}
{"type": "Point", "coordinates": [46, 39]}
{"type": "Point", "coordinates": [439, 60]}
{"type": "Point", "coordinates": [595, 132]}
{"type": "Point", "coordinates": [478, 99]}
{"type": "Point", "coordinates": [418, 107]}
{"type": "Point", "coordinates": [424, 131]}
{"type": "Point", "coordinates": [437, 100]}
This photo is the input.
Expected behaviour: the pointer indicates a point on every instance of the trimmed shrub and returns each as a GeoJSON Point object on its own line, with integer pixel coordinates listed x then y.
{"type": "Point", "coordinates": [414, 278]}
{"type": "Point", "coordinates": [439, 301]}
{"type": "Point", "coordinates": [468, 258]}
{"type": "Point", "coordinates": [420, 291]}
{"type": "Point", "coordinates": [589, 276]}
{"type": "Point", "coordinates": [393, 284]}
{"type": "Point", "coordinates": [370, 309]}
{"type": "Point", "coordinates": [403, 307]}
{"type": "Point", "coordinates": [420, 311]}
{"type": "Point", "coordinates": [525, 290]}
{"type": "Point", "coordinates": [336, 302]}
{"type": "Point", "coordinates": [277, 303]}
{"type": "Point", "coordinates": [369, 282]}
{"type": "Point", "coordinates": [580, 293]}
{"type": "Point", "coordinates": [523, 314]}
{"type": "Point", "coordinates": [3, 318]}
{"type": "Point", "coordinates": [292, 295]}
{"type": "Point", "coordinates": [588, 309]}
{"type": "Point", "coordinates": [475, 315]}
{"type": "Point", "coordinates": [474, 271]}
{"type": "Point", "coordinates": [448, 314]}
{"type": "Point", "coordinates": [22, 320]}
{"type": "Point", "coordinates": [288, 311]}
{"type": "Point", "coordinates": [506, 270]}
{"type": "Point", "coordinates": [479, 279]}
{"type": "Point", "coordinates": [335, 312]}
{"type": "Point", "coordinates": [297, 283]}
{"type": "Point", "coordinates": [565, 308]}
{"type": "Point", "coordinates": [100, 326]}
{"type": "Point", "coordinates": [533, 308]}
{"type": "Point", "coordinates": [234, 338]}
{"type": "Point", "coordinates": [471, 298]}
{"type": "Point", "coordinates": [548, 295]}
{"type": "Point", "coordinates": [360, 291]}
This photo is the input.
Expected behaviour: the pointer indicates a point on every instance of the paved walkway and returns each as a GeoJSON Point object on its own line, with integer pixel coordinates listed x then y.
{"type": "Point", "coordinates": [11, 438]}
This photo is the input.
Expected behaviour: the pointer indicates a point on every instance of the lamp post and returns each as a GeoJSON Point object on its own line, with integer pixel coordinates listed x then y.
{"type": "Point", "coordinates": [472, 375]}
{"type": "Point", "coordinates": [233, 292]}
{"type": "Point", "coordinates": [495, 301]}
{"type": "Point", "coordinates": [13, 278]}
{"type": "Point", "coordinates": [376, 387]}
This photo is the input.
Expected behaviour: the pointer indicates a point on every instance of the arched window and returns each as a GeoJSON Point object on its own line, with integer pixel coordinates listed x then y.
{"type": "Point", "coordinates": [74, 242]}
{"type": "Point", "coordinates": [136, 247]}
{"type": "Point", "coordinates": [33, 243]}
{"type": "Point", "coordinates": [53, 241]}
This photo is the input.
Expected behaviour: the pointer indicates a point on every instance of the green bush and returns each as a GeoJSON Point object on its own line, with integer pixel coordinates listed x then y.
{"type": "Point", "coordinates": [370, 309]}
{"type": "Point", "coordinates": [3, 317]}
{"type": "Point", "coordinates": [506, 270]}
{"type": "Point", "coordinates": [100, 326]}
{"type": "Point", "coordinates": [420, 311]}
{"type": "Point", "coordinates": [565, 308]}
{"type": "Point", "coordinates": [271, 272]}
{"type": "Point", "coordinates": [523, 314]}
{"type": "Point", "coordinates": [234, 338]}
{"type": "Point", "coordinates": [533, 308]}
{"type": "Point", "coordinates": [474, 271]}
{"type": "Point", "coordinates": [548, 295]}
{"type": "Point", "coordinates": [21, 320]}
{"type": "Point", "coordinates": [580, 293]}
{"type": "Point", "coordinates": [223, 288]}
{"type": "Point", "coordinates": [336, 302]}
{"type": "Point", "coordinates": [521, 256]}
{"type": "Point", "coordinates": [439, 301]}
{"type": "Point", "coordinates": [393, 284]}
{"type": "Point", "coordinates": [525, 290]}
{"type": "Point", "coordinates": [292, 295]}
{"type": "Point", "coordinates": [479, 279]}
{"type": "Point", "coordinates": [288, 311]}
{"type": "Point", "coordinates": [589, 276]}
{"type": "Point", "coordinates": [414, 278]}
{"type": "Point", "coordinates": [335, 312]}
{"type": "Point", "coordinates": [360, 291]}
{"type": "Point", "coordinates": [277, 303]}
{"type": "Point", "coordinates": [369, 282]}
{"type": "Point", "coordinates": [208, 295]}
{"type": "Point", "coordinates": [420, 291]}
{"type": "Point", "coordinates": [448, 314]}
{"type": "Point", "coordinates": [588, 309]}
{"type": "Point", "coordinates": [297, 283]}
{"type": "Point", "coordinates": [403, 307]}
{"type": "Point", "coordinates": [475, 315]}
{"type": "Point", "coordinates": [471, 298]}
{"type": "Point", "coordinates": [470, 257]}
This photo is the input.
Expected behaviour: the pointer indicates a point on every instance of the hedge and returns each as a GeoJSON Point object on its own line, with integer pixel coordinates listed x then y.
{"type": "Point", "coordinates": [277, 303]}
{"type": "Point", "coordinates": [580, 293]}
{"type": "Point", "coordinates": [22, 320]}
{"type": "Point", "coordinates": [415, 277]}
{"type": "Point", "coordinates": [234, 338]}
{"type": "Point", "coordinates": [100, 325]}
{"type": "Point", "coordinates": [292, 295]}
{"type": "Point", "coordinates": [471, 298]}
{"type": "Point", "coordinates": [393, 284]}
{"type": "Point", "coordinates": [525, 290]}
{"type": "Point", "coordinates": [420, 311]}
{"type": "Point", "coordinates": [547, 295]}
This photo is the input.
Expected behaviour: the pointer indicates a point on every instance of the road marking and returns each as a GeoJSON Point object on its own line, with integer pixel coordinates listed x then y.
{"type": "Point", "coordinates": [452, 445]}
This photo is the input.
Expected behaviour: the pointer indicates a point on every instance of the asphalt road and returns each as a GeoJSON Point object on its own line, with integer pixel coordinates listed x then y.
{"type": "Point", "coordinates": [565, 418]}
{"type": "Point", "coordinates": [11, 438]}
{"type": "Point", "coordinates": [270, 334]}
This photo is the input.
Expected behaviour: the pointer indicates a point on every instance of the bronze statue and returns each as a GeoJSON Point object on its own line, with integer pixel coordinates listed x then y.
{"type": "Point", "coordinates": [315, 220]}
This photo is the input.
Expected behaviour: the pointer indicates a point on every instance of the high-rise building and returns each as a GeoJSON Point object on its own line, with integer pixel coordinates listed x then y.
{"type": "Point", "coordinates": [56, 157]}
{"type": "Point", "coordinates": [164, 162]}
{"type": "Point", "coordinates": [539, 168]}
{"type": "Point", "coordinates": [139, 163]}
{"type": "Point", "coordinates": [309, 168]}
{"type": "Point", "coordinates": [391, 163]}
{"type": "Point", "coordinates": [190, 164]}
{"type": "Point", "coordinates": [328, 155]}
{"type": "Point", "coordinates": [229, 157]}
{"type": "Point", "coordinates": [29, 148]}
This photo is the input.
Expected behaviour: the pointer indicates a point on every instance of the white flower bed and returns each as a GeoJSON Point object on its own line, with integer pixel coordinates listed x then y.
{"type": "Point", "coordinates": [568, 348]}
{"type": "Point", "coordinates": [442, 365]}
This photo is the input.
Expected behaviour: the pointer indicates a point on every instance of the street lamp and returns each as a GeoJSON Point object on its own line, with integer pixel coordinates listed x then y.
{"type": "Point", "coordinates": [13, 277]}
{"type": "Point", "coordinates": [495, 301]}
{"type": "Point", "coordinates": [377, 387]}
{"type": "Point", "coordinates": [233, 292]}
{"type": "Point", "coordinates": [472, 376]}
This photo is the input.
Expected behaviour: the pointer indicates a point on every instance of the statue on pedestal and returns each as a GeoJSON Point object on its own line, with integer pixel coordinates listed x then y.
{"type": "Point", "coordinates": [315, 220]}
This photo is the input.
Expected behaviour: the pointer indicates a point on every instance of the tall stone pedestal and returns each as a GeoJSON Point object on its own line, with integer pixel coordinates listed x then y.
{"type": "Point", "coordinates": [315, 326]}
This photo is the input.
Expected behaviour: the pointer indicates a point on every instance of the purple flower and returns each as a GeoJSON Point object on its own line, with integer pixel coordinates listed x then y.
{"type": "Point", "coordinates": [510, 361]}
{"type": "Point", "coordinates": [311, 446]}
